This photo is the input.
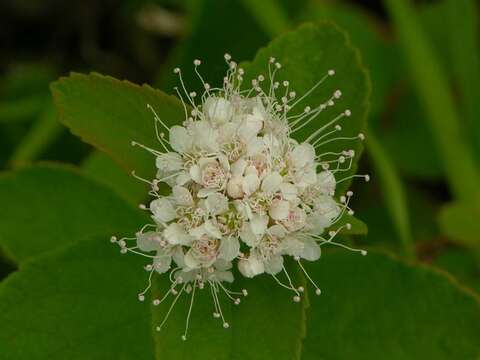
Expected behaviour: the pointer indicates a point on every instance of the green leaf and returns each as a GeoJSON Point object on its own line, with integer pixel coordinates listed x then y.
{"type": "Point", "coordinates": [253, 334]}
{"type": "Point", "coordinates": [102, 168]}
{"type": "Point", "coordinates": [460, 223]}
{"type": "Point", "coordinates": [463, 263]}
{"type": "Point", "coordinates": [109, 114]}
{"type": "Point", "coordinates": [375, 307]}
{"type": "Point", "coordinates": [50, 206]}
{"type": "Point", "coordinates": [306, 56]}
{"type": "Point", "coordinates": [76, 303]}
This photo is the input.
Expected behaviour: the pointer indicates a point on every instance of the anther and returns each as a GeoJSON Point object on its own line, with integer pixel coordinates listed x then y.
{"type": "Point", "coordinates": [318, 291]}
{"type": "Point", "coordinates": [113, 239]}
{"type": "Point", "coordinates": [347, 112]}
{"type": "Point", "coordinates": [156, 302]}
{"type": "Point", "coordinates": [361, 136]}
{"type": "Point", "coordinates": [331, 72]}
{"type": "Point", "coordinates": [226, 325]}
{"type": "Point", "coordinates": [296, 298]}
{"type": "Point", "coordinates": [196, 62]}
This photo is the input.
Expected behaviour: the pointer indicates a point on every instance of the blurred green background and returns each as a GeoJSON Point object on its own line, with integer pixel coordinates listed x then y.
{"type": "Point", "coordinates": [423, 141]}
{"type": "Point", "coordinates": [423, 146]}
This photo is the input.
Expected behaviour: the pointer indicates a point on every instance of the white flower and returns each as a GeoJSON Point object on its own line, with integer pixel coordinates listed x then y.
{"type": "Point", "coordinates": [212, 174]}
{"type": "Point", "coordinates": [243, 192]}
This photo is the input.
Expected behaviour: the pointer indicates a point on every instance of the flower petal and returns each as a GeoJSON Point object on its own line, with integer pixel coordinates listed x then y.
{"type": "Point", "coordinates": [163, 210]}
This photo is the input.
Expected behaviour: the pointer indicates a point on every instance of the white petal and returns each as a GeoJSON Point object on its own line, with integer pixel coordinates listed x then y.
{"type": "Point", "coordinates": [249, 128]}
{"type": "Point", "coordinates": [148, 241]}
{"type": "Point", "coordinates": [235, 187]}
{"type": "Point", "coordinates": [258, 224]}
{"type": "Point", "coordinates": [222, 265]}
{"type": "Point", "coordinates": [163, 210]}
{"type": "Point", "coordinates": [251, 266]}
{"type": "Point", "coordinates": [289, 191]}
{"type": "Point", "coordinates": [182, 196]}
{"type": "Point", "coordinates": [169, 162]}
{"type": "Point", "coordinates": [279, 209]}
{"type": "Point", "coordinates": [311, 250]}
{"type": "Point", "coordinates": [203, 193]}
{"type": "Point", "coordinates": [277, 231]}
{"type": "Point", "coordinates": [212, 230]}
{"type": "Point", "coordinates": [254, 146]}
{"type": "Point", "coordinates": [238, 167]}
{"type": "Point", "coordinates": [326, 182]}
{"type": "Point", "coordinates": [274, 265]}
{"type": "Point", "coordinates": [162, 263]}
{"type": "Point", "coordinates": [223, 276]}
{"type": "Point", "coordinates": [190, 260]}
{"type": "Point", "coordinates": [250, 184]}
{"type": "Point", "coordinates": [182, 178]}
{"type": "Point", "coordinates": [302, 155]}
{"type": "Point", "coordinates": [178, 256]}
{"type": "Point", "coordinates": [229, 248]}
{"type": "Point", "coordinates": [196, 173]}
{"type": "Point", "coordinates": [204, 136]}
{"type": "Point", "coordinates": [248, 237]}
{"type": "Point", "coordinates": [175, 234]}
{"type": "Point", "coordinates": [218, 109]}
{"type": "Point", "coordinates": [271, 182]}
{"type": "Point", "coordinates": [326, 209]}
{"type": "Point", "coordinates": [198, 231]}
{"type": "Point", "coordinates": [216, 203]}
{"type": "Point", "coordinates": [179, 139]}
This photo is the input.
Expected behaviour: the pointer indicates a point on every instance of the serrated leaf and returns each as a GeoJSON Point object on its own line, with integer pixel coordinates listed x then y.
{"type": "Point", "coordinates": [76, 303]}
{"type": "Point", "coordinates": [375, 307]}
{"type": "Point", "coordinates": [102, 168]}
{"type": "Point", "coordinates": [306, 56]}
{"type": "Point", "coordinates": [50, 206]}
{"type": "Point", "coordinates": [109, 114]}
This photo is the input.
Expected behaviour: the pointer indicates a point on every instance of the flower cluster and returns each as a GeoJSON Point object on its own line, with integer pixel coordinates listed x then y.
{"type": "Point", "coordinates": [243, 193]}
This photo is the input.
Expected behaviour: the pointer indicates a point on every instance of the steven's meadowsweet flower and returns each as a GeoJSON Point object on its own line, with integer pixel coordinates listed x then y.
{"type": "Point", "coordinates": [243, 192]}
